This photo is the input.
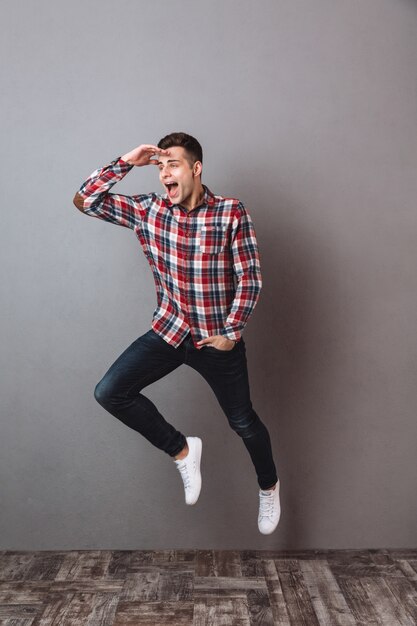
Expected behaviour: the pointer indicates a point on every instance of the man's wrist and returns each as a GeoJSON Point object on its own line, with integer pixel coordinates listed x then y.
{"type": "Point", "coordinates": [125, 158]}
{"type": "Point", "coordinates": [235, 335]}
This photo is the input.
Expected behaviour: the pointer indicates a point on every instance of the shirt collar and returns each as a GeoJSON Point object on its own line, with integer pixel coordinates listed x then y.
{"type": "Point", "coordinates": [208, 198]}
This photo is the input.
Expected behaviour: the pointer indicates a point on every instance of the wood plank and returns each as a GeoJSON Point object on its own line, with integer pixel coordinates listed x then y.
{"type": "Point", "coordinates": [139, 558]}
{"type": "Point", "coordinates": [119, 564]}
{"type": "Point", "coordinates": [358, 601]}
{"type": "Point", "coordinates": [413, 563]}
{"type": "Point", "coordinates": [386, 606]}
{"type": "Point", "coordinates": [405, 593]}
{"type": "Point", "coordinates": [259, 607]}
{"type": "Point", "coordinates": [71, 609]}
{"type": "Point", "coordinates": [11, 612]}
{"type": "Point", "coordinates": [219, 592]}
{"type": "Point", "coordinates": [14, 565]}
{"type": "Point", "coordinates": [24, 592]}
{"type": "Point", "coordinates": [403, 553]}
{"type": "Point", "coordinates": [221, 612]}
{"type": "Point", "coordinates": [352, 563]}
{"type": "Point", "coordinates": [103, 610]}
{"type": "Point", "coordinates": [227, 563]}
{"type": "Point", "coordinates": [83, 585]}
{"type": "Point", "coordinates": [17, 621]}
{"type": "Point", "coordinates": [251, 563]}
{"type": "Point", "coordinates": [205, 563]}
{"type": "Point", "coordinates": [53, 609]}
{"type": "Point", "coordinates": [329, 604]}
{"type": "Point", "coordinates": [276, 596]}
{"type": "Point", "coordinates": [202, 583]}
{"type": "Point", "coordinates": [141, 586]}
{"type": "Point", "coordinates": [295, 593]}
{"type": "Point", "coordinates": [154, 613]}
{"type": "Point", "coordinates": [409, 572]}
{"type": "Point", "coordinates": [95, 610]}
{"type": "Point", "coordinates": [85, 564]}
{"type": "Point", "coordinates": [176, 586]}
{"type": "Point", "coordinates": [44, 566]}
{"type": "Point", "coordinates": [385, 564]}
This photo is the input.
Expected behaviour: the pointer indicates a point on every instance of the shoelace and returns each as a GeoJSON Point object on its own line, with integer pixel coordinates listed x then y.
{"type": "Point", "coordinates": [183, 469]}
{"type": "Point", "coordinates": [266, 505]}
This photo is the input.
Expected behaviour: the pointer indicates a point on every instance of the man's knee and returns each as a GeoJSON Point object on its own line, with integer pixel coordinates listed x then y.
{"type": "Point", "coordinates": [103, 393]}
{"type": "Point", "coordinates": [245, 423]}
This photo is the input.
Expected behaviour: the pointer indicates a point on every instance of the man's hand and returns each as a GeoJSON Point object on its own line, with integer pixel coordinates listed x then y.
{"type": "Point", "coordinates": [218, 341]}
{"type": "Point", "coordinates": [143, 155]}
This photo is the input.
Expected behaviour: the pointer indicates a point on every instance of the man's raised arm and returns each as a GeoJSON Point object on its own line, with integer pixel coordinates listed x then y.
{"type": "Point", "coordinates": [93, 197]}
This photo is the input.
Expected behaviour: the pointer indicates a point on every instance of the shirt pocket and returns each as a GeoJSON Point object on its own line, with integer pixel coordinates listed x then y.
{"type": "Point", "coordinates": [213, 239]}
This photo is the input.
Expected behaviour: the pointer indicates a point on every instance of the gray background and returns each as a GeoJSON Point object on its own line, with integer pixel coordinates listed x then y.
{"type": "Point", "coordinates": [307, 112]}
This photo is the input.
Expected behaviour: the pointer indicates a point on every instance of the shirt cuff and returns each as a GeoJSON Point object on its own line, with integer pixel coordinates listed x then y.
{"type": "Point", "coordinates": [229, 333]}
{"type": "Point", "coordinates": [119, 161]}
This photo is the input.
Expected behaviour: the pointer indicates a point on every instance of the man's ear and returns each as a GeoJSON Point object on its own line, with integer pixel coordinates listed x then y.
{"type": "Point", "coordinates": [197, 168]}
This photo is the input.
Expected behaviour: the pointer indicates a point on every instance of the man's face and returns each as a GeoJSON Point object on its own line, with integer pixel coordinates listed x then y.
{"type": "Point", "coordinates": [177, 175]}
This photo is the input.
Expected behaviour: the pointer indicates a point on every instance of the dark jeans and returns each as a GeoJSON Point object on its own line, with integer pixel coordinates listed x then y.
{"type": "Point", "coordinates": [149, 358]}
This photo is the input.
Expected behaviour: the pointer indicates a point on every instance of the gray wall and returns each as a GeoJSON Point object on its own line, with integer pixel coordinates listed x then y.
{"type": "Point", "coordinates": [307, 112]}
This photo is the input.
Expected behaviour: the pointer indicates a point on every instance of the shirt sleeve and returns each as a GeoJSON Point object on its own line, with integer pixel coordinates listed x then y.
{"type": "Point", "coordinates": [93, 197]}
{"type": "Point", "coordinates": [246, 266]}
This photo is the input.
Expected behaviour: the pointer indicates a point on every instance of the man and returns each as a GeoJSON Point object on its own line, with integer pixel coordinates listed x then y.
{"type": "Point", "coordinates": [203, 253]}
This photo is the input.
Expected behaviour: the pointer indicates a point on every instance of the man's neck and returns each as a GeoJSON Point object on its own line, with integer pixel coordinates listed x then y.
{"type": "Point", "coordinates": [195, 199]}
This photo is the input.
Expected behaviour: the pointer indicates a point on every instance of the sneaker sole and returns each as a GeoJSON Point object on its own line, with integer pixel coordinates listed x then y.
{"type": "Point", "coordinates": [199, 450]}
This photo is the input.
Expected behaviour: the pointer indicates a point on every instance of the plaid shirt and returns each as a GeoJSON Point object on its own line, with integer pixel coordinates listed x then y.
{"type": "Point", "coordinates": [205, 262]}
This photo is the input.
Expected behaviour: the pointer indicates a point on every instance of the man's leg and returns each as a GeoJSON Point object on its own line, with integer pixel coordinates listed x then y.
{"type": "Point", "coordinates": [145, 361]}
{"type": "Point", "coordinates": [227, 374]}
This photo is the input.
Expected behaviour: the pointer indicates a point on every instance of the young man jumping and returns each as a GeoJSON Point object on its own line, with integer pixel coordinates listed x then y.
{"type": "Point", "coordinates": [204, 257]}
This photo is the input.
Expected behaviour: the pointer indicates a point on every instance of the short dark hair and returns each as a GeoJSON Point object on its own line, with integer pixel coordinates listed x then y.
{"type": "Point", "coordinates": [190, 144]}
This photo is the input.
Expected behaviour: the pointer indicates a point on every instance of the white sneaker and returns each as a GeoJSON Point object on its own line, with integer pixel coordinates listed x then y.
{"type": "Point", "coordinates": [269, 510]}
{"type": "Point", "coordinates": [189, 468]}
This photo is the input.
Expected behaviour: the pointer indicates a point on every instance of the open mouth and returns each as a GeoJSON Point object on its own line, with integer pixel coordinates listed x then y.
{"type": "Point", "coordinates": [172, 189]}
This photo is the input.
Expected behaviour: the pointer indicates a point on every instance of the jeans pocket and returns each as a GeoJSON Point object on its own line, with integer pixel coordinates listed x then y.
{"type": "Point", "coordinates": [219, 350]}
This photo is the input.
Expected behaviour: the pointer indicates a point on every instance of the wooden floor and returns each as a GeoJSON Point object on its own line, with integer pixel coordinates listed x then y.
{"type": "Point", "coordinates": [205, 587]}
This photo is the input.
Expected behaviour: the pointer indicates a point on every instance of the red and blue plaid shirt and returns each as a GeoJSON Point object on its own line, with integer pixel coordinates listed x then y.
{"type": "Point", "coordinates": [205, 262]}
